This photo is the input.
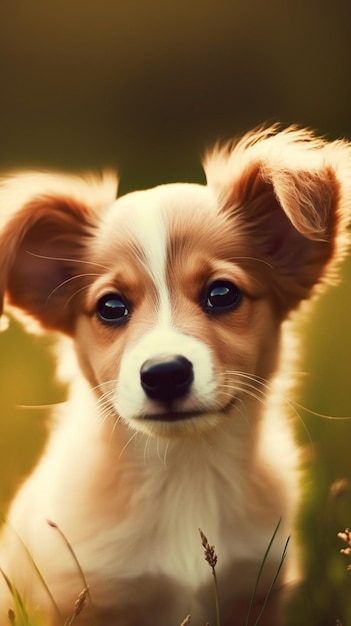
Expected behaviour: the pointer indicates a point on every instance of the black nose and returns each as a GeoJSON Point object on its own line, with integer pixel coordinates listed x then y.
{"type": "Point", "coordinates": [166, 377]}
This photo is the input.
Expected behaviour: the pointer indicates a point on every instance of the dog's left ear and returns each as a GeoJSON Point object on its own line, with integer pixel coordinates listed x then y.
{"type": "Point", "coordinates": [46, 224]}
{"type": "Point", "coordinates": [289, 196]}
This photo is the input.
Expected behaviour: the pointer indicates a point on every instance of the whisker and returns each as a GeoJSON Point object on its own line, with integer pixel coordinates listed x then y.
{"type": "Point", "coordinates": [115, 423]}
{"type": "Point", "coordinates": [131, 438]}
{"type": "Point", "coordinates": [106, 403]}
{"type": "Point", "coordinates": [166, 453]}
{"type": "Point", "coordinates": [163, 459]}
{"type": "Point", "coordinates": [147, 447]}
{"type": "Point", "coordinates": [252, 258]}
{"type": "Point", "coordinates": [68, 280]}
{"type": "Point", "coordinates": [249, 383]}
{"type": "Point", "coordinates": [265, 396]}
{"type": "Point", "coordinates": [104, 400]}
{"type": "Point", "coordinates": [109, 392]}
{"type": "Point", "coordinates": [243, 413]}
{"type": "Point", "coordinates": [253, 377]}
{"type": "Point", "coordinates": [251, 392]}
{"type": "Point", "coordinates": [112, 381]}
{"type": "Point", "coordinates": [323, 415]}
{"type": "Point", "coordinates": [50, 405]}
{"type": "Point", "coordinates": [105, 407]}
{"type": "Point", "coordinates": [74, 294]}
{"type": "Point", "coordinates": [67, 260]}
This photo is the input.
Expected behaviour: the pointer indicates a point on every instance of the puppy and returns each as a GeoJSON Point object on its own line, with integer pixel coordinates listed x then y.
{"type": "Point", "coordinates": [176, 302]}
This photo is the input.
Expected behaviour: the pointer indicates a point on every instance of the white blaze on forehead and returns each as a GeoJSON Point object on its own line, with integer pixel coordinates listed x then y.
{"type": "Point", "coordinates": [139, 216]}
{"type": "Point", "coordinates": [144, 214]}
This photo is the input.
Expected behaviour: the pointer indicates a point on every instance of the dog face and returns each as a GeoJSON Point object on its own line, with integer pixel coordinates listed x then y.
{"type": "Point", "coordinates": [177, 324]}
{"type": "Point", "coordinates": [175, 296]}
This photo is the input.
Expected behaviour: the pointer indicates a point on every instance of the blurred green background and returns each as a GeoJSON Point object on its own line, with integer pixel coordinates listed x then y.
{"type": "Point", "coordinates": [145, 86]}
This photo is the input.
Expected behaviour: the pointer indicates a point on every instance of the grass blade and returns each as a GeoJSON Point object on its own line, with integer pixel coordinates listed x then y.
{"type": "Point", "coordinates": [273, 582]}
{"type": "Point", "coordinates": [79, 568]}
{"type": "Point", "coordinates": [20, 609]}
{"type": "Point", "coordinates": [37, 571]}
{"type": "Point", "coordinates": [258, 578]}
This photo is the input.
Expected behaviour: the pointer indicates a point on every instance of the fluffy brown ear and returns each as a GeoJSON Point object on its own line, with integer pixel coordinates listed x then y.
{"type": "Point", "coordinates": [46, 224]}
{"type": "Point", "coordinates": [289, 195]}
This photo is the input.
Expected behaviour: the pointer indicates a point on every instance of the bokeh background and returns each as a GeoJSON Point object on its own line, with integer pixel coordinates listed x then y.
{"type": "Point", "coordinates": [146, 86]}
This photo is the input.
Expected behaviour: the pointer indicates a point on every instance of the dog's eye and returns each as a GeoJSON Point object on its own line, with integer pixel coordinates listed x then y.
{"type": "Point", "coordinates": [112, 308]}
{"type": "Point", "coordinates": [222, 295]}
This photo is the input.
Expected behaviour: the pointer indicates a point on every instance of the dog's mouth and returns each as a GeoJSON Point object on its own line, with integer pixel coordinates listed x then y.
{"type": "Point", "coordinates": [172, 416]}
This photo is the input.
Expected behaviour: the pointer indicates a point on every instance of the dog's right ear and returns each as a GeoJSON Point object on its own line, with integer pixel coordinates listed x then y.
{"type": "Point", "coordinates": [46, 224]}
{"type": "Point", "coordinates": [288, 194]}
